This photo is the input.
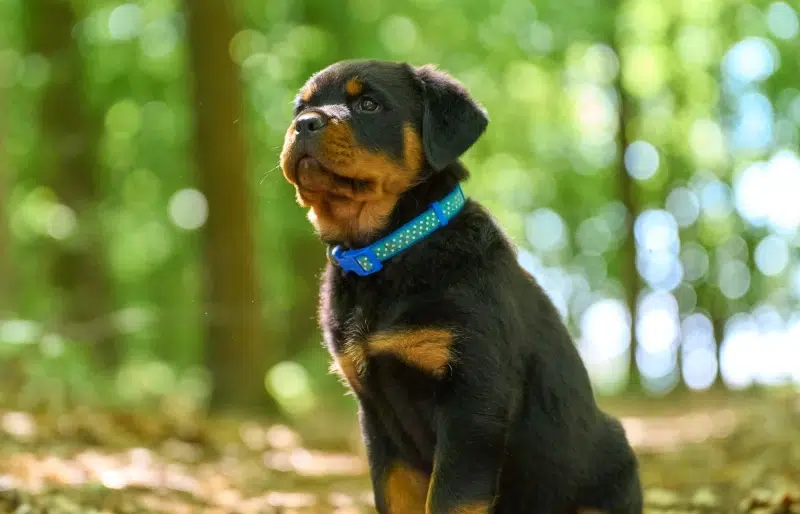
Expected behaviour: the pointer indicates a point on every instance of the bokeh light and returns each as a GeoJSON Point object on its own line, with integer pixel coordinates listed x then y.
{"type": "Point", "coordinates": [188, 209]}
{"type": "Point", "coordinates": [666, 142]}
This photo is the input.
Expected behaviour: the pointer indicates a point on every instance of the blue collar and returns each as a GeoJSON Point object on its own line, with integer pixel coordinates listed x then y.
{"type": "Point", "coordinates": [368, 260]}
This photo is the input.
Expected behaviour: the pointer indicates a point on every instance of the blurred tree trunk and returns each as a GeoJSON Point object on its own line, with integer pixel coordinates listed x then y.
{"type": "Point", "coordinates": [11, 376]}
{"type": "Point", "coordinates": [718, 314]}
{"type": "Point", "coordinates": [307, 251]}
{"type": "Point", "coordinates": [236, 354]}
{"type": "Point", "coordinates": [626, 190]}
{"type": "Point", "coordinates": [70, 135]}
{"type": "Point", "coordinates": [6, 275]}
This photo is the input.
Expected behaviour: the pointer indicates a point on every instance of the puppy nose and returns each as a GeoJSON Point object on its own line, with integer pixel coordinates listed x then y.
{"type": "Point", "coordinates": [310, 124]}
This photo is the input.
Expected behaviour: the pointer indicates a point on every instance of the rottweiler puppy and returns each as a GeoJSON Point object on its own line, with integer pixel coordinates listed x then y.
{"type": "Point", "coordinates": [472, 396]}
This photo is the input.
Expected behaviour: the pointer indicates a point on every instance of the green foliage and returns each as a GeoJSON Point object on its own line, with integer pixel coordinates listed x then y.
{"type": "Point", "coordinates": [548, 167]}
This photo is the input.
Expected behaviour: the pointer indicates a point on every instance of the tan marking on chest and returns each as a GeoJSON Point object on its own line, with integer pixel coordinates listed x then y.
{"type": "Point", "coordinates": [406, 490]}
{"type": "Point", "coordinates": [428, 349]}
{"type": "Point", "coordinates": [350, 365]}
{"type": "Point", "coordinates": [472, 508]}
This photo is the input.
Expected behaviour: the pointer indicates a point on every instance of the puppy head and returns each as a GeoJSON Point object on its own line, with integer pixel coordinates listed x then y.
{"type": "Point", "coordinates": [364, 133]}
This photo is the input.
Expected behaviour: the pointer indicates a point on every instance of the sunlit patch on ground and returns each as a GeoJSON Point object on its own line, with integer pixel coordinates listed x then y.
{"type": "Point", "coordinates": [699, 459]}
{"type": "Point", "coordinates": [125, 463]}
{"type": "Point", "coordinates": [672, 432]}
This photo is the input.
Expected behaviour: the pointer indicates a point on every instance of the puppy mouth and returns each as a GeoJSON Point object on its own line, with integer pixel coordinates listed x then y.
{"type": "Point", "coordinates": [314, 177]}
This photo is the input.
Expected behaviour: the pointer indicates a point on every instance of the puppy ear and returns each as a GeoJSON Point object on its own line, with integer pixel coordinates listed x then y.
{"type": "Point", "coordinates": [451, 120]}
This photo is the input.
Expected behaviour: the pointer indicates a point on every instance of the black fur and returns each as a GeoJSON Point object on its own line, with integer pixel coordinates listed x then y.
{"type": "Point", "coordinates": [513, 422]}
{"type": "Point", "coordinates": [451, 120]}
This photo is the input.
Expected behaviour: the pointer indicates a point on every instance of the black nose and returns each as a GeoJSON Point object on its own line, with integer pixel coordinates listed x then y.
{"type": "Point", "coordinates": [309, 124]}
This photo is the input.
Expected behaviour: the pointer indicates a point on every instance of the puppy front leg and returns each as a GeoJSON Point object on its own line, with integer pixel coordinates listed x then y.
{"type": "Point", "coordinates": [398, 487]}
{"type": "Point", "coordinates": [472, 426]}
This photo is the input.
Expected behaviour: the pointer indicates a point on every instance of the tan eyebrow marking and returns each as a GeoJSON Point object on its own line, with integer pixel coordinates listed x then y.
{"type": "Point", "coordinates": [308, 91]}
{"type": "Point", "coordinates": [354, 86]}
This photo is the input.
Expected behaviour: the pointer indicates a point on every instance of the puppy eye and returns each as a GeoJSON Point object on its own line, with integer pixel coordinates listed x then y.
{"type": "Point", "coordinates": [367, 104]}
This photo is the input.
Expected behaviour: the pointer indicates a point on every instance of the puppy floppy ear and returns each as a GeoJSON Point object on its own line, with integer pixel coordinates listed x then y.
{"type": "Point", "coordinates": [451, 120]}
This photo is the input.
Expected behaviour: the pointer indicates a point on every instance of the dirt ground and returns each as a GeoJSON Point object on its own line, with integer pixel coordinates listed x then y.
{"type": "Point", "coordinates": [698, 456]}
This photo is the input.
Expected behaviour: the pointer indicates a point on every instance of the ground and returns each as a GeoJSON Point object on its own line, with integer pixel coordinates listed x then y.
{"type": "Point", "coordinates": [716, 455]}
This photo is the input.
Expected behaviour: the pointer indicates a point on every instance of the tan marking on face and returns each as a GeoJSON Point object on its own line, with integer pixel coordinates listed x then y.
{"type": "Point", "coordinates": [406, 490]}
{"type": "Point", "coordinates": [308, 91]}
{"type": "Point", "coordinates": [287, 154]}
{"type": "Point", "coordinates": [428, 349]}
{"type": "Point", "coordinates": [338, 209]}
{"type": "Point", "coordinates": [350, 365]}
{"type": "Point", "coordinates": [412, 148]}
{"type": "Point", "coordinates": [354, 87]}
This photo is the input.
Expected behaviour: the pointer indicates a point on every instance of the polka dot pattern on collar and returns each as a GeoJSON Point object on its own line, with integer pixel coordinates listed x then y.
{"type": "Point", "coordinates": [368, 259]}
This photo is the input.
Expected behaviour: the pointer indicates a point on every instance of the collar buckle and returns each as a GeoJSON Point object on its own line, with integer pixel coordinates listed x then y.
{"type": "Point", "coordinates": [440, 215]}
{"type": "Point", "coordinates": [361, 261]}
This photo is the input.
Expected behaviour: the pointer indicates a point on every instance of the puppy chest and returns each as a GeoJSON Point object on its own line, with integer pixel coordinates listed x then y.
{"type": "Point", "coordinates": [404, 400]}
